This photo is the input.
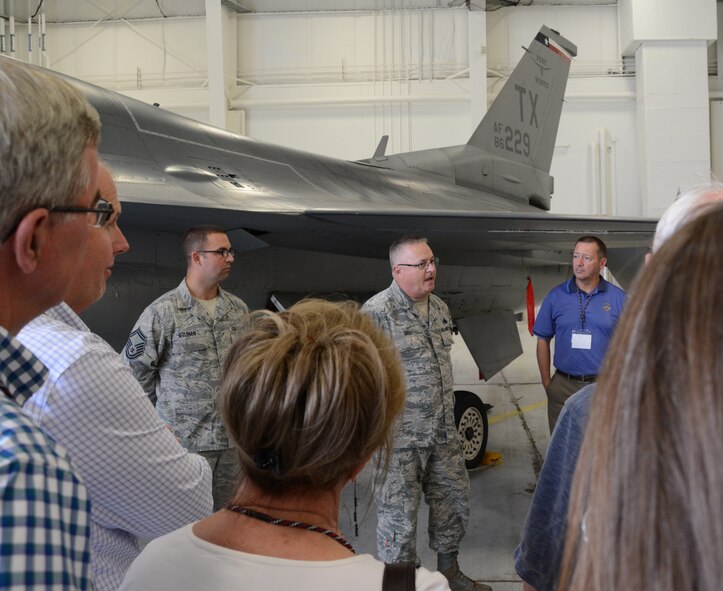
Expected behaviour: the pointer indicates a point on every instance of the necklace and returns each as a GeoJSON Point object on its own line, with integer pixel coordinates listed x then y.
{"type": "Point", "coordinates": [287, 523]}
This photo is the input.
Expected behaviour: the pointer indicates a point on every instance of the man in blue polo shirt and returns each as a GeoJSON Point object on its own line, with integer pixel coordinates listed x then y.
{"type": "Point", "coordinates": [542, 543]}
{"type": "Point", "coordinates": [581, 315]}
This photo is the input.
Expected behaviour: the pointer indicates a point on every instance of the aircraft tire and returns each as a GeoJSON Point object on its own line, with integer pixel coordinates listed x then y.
{"type": "Point", "coordinates": [470, 416]}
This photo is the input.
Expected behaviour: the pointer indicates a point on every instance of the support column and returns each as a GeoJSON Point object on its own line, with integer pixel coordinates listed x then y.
{"type": "Point", "coordinates": [221, 55]}
{"type": "Point", "coordinates": [477, 27]}
{"type": "Point", "coordinates": [669, 40]}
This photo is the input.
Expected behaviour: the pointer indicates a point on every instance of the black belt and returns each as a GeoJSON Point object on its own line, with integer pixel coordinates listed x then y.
{"type": "Point", "coordinates": [584, 379]}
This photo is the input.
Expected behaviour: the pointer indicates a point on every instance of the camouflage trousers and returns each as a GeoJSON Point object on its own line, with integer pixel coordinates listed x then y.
{"type": "Point", "coordinates": [226, 474]}
{"type": "Point", "coordinates": [440, 474]}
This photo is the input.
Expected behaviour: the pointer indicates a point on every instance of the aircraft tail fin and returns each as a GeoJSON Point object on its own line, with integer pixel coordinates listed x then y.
{"type": "Point", "coordinates": [521, 124]}
{"type": "Point", "coordinates": [510, 152]}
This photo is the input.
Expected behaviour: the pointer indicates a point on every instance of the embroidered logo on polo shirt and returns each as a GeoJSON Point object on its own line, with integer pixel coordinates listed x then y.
{"type": "Point", "coordinates": [136, 344]}
{"type": "Point", "coordinates": [607, 307]}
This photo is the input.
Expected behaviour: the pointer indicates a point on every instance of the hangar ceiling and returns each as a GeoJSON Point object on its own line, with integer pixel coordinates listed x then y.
{"type": "Point", "coordinates": [59, 11]}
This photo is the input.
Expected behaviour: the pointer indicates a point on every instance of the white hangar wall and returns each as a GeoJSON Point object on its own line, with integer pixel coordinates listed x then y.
{"type": "Point", "coordinates": [335, 82]}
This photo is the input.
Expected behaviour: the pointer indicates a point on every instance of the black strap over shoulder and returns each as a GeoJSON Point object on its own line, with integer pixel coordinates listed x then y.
{"type": "Point", "coordinates": [399, 577]}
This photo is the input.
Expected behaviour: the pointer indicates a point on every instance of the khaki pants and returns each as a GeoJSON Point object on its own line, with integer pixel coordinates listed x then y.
{"type": "Point", "coordinates": [559, 390]}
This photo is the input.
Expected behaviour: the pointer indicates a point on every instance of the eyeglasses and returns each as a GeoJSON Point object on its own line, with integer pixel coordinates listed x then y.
{"type": "Point", "coordinates": [434, 261]}
{"type": "Point", "coordinates": [103, 212]}
{"type": "Point", "coordinates": [224, 252]}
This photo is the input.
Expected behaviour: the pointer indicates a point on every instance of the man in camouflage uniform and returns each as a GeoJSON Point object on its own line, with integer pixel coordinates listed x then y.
{"type": "Point", "coordinates": [177, 348]}
{"type": "Point", "coordinates": [427, 456]}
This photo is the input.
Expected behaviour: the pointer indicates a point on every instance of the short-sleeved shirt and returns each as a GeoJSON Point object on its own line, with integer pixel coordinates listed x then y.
{"type": "Point", "coordinates": [44, 506]}
{"type": "Point", "coordinates": [424, 345]}
{"type": "Point", "coordinates": [176, 351]}
{"type": "Point", "coordinates": [181, 560]}
{"type": "Point", "coordinates": [539, 555]}
{"type": "Point", "coordinates": [560, 315]}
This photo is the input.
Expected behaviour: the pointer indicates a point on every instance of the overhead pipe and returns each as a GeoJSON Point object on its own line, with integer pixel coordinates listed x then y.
{"type": "Point", "coordinates": [237, 104]}
{"type": "Point", "coordinates": [437, 98]}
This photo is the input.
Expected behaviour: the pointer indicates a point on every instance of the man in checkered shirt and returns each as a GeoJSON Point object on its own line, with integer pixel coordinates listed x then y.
{"type": "Point", "coordinates": [48, 185]}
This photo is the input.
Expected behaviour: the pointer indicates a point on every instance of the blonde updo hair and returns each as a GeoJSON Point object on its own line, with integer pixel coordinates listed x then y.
{"type": "Point", "coordinates": [309, 394]}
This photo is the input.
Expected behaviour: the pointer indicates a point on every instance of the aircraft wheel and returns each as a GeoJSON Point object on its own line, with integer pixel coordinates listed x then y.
{"type": "Point", "coordinates": [470, 416]}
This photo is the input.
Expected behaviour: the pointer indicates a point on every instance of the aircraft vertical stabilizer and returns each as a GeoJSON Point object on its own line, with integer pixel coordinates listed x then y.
{"type": "Point", "coordinates": [510, 152]}
{"type": "Point", "coordinates": [521, 124]}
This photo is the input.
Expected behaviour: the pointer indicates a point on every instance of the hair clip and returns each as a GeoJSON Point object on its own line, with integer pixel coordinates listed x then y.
{"type": "Point", "coordinates": [268, 459]}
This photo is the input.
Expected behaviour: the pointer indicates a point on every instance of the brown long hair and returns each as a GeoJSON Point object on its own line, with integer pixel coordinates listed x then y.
{"type": "Point", "coordinates": [647, 500]}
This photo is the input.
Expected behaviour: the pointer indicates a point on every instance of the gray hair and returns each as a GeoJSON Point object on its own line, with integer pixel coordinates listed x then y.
{"type": "Point", "coordinates": [45, 126]}
{"type": "Point", "coordinates": [399, 243]}
{"type": "Point", "coordinates": [686, 208]}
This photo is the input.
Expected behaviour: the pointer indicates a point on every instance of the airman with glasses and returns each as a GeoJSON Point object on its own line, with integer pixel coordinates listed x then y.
{"type": "Point", "coordinates": [177, 348]}
{"type": "Point", "coordinates": [427, 455]}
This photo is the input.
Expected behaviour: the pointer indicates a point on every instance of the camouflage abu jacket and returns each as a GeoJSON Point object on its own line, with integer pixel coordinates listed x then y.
{"type": "Point", "coordinates": [176, 351]}
{"type": "Point", "coordinates": [428, 416]}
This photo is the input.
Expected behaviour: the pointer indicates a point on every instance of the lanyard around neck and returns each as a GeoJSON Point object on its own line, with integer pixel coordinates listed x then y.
{"type": "Point", "coordinates": [588, 297]}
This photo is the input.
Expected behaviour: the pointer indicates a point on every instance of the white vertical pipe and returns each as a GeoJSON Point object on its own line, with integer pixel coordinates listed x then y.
{"type": "Point", "coordinates": [602, 166]}
{"type": "Point", "coordinates": [216, 58]}
{"type": "Point", "coordinates": [400, 79]}
{"type": "Point", "coordinates": [12, 36]}
{"type": "Point", "coordinates": [30, 34]}
{"type": "Point", "coordinates": [410, 74]}
{"type": "Point", "coordinates": [384, 71]}
{"type": "Point", "coordinates": [430, 56]}
{"type": "Point", "coordinates": [375, 16]}
{"type": "Point", "coordinates": [612, 187]}
{"type": "Point", "coordinates": [44, 53]}
{"type": "Point", "coordinates": [594, 162]}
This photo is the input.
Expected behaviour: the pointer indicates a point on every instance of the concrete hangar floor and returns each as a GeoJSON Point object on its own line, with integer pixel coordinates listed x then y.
{"type": "Point", "coordinates": [501, 493]}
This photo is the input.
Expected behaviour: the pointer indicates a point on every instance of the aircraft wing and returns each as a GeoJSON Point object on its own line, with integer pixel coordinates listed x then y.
{"type": "Point", "coordinates": [466, 238]}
